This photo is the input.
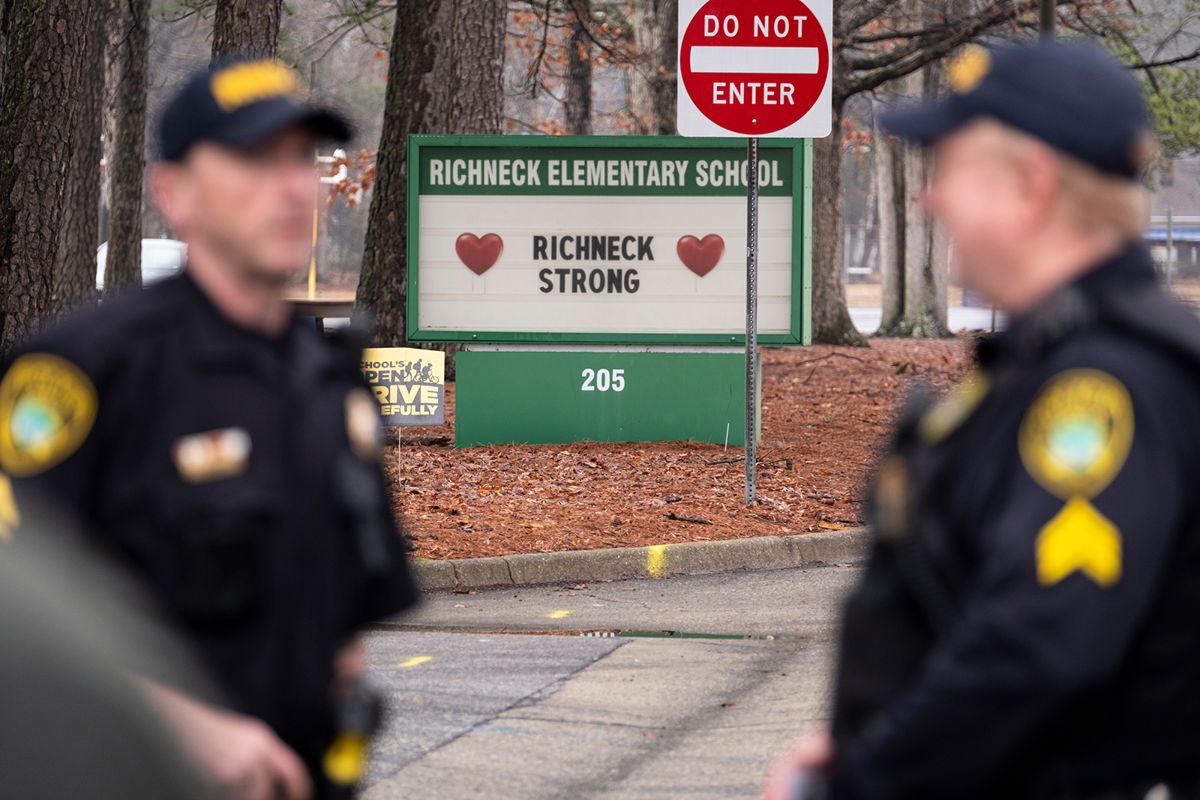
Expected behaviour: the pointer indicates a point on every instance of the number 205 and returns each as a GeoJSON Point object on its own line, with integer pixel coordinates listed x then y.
{"type": "Point", "coordinates": [603, 380]}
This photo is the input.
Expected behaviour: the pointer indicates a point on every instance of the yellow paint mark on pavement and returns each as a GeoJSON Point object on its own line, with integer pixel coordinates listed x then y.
{"type": "Point", "coordinates": [415, 661]}
{"type": "Point", "coordinates": [656, 559]}
{"type": "Point", "coordinates": [559, 614]}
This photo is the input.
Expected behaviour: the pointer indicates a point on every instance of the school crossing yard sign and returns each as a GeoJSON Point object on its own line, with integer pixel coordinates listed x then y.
{"type": "Point", "coordinates": [616, 240]}
{"type": "Point", "coordinates": [755, 68]}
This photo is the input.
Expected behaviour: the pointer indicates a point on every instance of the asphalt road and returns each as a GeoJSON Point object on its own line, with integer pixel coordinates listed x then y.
{"type": "Point", "coordinates": [497, 694]}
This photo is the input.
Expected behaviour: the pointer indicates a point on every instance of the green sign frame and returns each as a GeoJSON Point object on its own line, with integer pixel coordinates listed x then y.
{"type": "Point", "coordinates": [802, 187]}
{"type": "Point", "coordinates": [698, 397]}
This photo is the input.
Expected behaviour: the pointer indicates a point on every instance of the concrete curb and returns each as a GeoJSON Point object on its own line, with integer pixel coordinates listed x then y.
{"type": "Point", "coordinates": [622, 563]}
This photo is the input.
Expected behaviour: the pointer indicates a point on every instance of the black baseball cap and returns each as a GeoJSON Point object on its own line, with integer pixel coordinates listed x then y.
{"type": "Point", "coordinates": [241, 102]}
{"type": "Point", "coordinates": [1074, 96]}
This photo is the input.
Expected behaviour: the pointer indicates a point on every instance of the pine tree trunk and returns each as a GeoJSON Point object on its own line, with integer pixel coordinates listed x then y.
{"type": "Point", "coordinates": [79, 233]}
{"type": "Point", "coordinates": [939, 276]}
{"type": "Point", "coordinates": [578, 101]}
{"type": "Point", "coordinates": [47, 52]}
{"type": "Point", "coordinates": [652, 91]}
{"type": "Point", "coordinates": [246, 27]}
{"type": "Point", "coordinates": [916, 239]}
{"type": "Point", "coordinates": [890, 201]}
{"type": "Point", "coordinates": [125, 131]}
{"type": "Point", "coordinates": [5, 15]}
{"type": "Point", "coordinates": [444, 76]}
{"type": "Point", "coordinates": [924, 272]}
{"type": "Point", "coordinates": [831, 318]}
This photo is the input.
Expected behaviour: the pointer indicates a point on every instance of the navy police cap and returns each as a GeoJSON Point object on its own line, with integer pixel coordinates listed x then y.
{"type": "Point", "coordinates": [241, 102]}
{"type": "Point", "coordinates": [1073, 96]}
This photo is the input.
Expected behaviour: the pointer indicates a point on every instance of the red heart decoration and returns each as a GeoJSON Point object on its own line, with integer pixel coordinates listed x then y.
{"type": "Point", "coordinates": [701, 255]}
{"type": "Point", "coordinates": [479, 254]}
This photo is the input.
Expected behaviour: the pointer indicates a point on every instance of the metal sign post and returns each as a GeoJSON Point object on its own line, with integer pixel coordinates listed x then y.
{"type": "Point", "coordinates": [1047, 20]}
{"type": "Point", "coordinates": [751, 319]}
{"type": "Point", "coordinates": [755, 69]}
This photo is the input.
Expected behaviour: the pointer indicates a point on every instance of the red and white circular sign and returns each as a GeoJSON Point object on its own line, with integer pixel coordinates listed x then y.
{"type": "Point", "coordinates": [753, 68]}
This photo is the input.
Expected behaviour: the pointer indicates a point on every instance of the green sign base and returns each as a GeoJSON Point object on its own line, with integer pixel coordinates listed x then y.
{"type": "Point", "coordinates": [539, 397]}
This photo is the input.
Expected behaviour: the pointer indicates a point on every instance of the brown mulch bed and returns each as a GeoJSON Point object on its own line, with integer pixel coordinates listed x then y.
{"type": "Point", "coordinates": [826, 413]}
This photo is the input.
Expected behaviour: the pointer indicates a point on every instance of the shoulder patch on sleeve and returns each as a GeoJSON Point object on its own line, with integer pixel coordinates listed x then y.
{"type": "Point", "coordinates": [47, 408]}
{"type": "Point", "coordinates": [1076, 435]}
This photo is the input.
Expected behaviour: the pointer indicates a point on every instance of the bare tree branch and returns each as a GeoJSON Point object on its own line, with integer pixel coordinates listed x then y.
{"type": "Point", "coordinates": [870, 11]}
{"type": "Point", "coordinates": [886, 36]}
{"type": "Point", "coordinates": [901, 61]}
{"type": "Point", "coordinates": [520, 123]}
{"type": "Point", "coordinates": [535, 66]}
{"type": "Point", "coordinates": [1167, 62]}
{"type": "Point", "coordinates": [965, 29]}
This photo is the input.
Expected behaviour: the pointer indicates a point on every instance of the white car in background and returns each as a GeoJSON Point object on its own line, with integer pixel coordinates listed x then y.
{"type": "Point", "coordinates": [161, 258]}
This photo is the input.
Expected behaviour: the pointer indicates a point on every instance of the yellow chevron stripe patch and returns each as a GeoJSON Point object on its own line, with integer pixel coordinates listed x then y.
{"type": "Point", "coordinates": [1079, 538]}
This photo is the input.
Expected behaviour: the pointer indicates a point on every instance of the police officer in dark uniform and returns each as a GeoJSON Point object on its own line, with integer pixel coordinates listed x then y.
{"type": "Point", "coordinates": [1026, 625]}
{"type": "Point", "coordinates": [223, 450]}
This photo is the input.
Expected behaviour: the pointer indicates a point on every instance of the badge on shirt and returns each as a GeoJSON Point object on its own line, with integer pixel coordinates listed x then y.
{"type": "Point", "coordinates": [47, 408]}
{"type": "Point", "coordinates": [1076, 435]}
{"type": "Point", "coordinates": [212, 455]}
{"type": "Point", "coordinates": [363, 426]}
{"type": "Point", "coordinates": [1074, 440]}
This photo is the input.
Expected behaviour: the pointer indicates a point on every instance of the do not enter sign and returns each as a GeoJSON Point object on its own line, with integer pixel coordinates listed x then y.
{"type": "Point", "coordinates": [754, 67]}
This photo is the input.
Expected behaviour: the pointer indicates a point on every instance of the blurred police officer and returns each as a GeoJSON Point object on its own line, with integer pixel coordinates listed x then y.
{"type": "Point", "coordinates": [74, 725]}
{"type": "Point", "coordinates": [1026, 626]}
{"type": "Point", "coordinates": [221, 448]}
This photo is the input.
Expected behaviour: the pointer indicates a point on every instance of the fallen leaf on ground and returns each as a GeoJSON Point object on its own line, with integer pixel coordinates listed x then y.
{"type": "Point", "coordinates": [544, 498]}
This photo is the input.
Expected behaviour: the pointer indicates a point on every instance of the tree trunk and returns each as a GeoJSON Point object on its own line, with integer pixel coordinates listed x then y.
{"type": "Point", "coordinates": [578, 100]}
{"type": "Point", "coordinates": [831, 319]}
{"type": "Point", "coordinates": [5, 15]}
{"type": "Point", "coordinates": [79, 232]}
{"type": "Point", "coordinates": [831, 322]}
{"type": "Point", "coordinates": [125, 128]}
{"type": "Point", "coordinates": [870, 242]}
{"type": "Point", "coordinates": [48, 49]}
{"type": "Point", "coordinates": [924, 294]}
{"type": "Point", "coordinates": [246, 27]}
{"type": "Point", "coordinates": [652, 91]}
{"type": "Point", "coordinates": [444, 76]}
{"type": "Point", "coordinates": [939, 277]}
{"type": "Point", "coordinates": [924, 265]}
{"type": "Point", "coordinates": [890, 201]}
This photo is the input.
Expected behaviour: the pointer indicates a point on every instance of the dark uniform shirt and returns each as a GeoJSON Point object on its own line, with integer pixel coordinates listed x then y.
{"type": "Point", "coordinates": [238, 475]}
{"type": "Point", "coordinates": [1027, 625]}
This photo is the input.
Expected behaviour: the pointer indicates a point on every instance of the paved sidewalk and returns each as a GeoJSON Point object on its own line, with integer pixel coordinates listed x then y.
{"type": "Point", "coordinates": [692, 558]}
{"type": "Point", "coordinates": [494, 697]}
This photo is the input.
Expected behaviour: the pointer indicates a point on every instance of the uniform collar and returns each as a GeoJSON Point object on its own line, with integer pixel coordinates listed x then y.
{"type": "Point", "coordinates": [299, 356]}
{"type": "Point", "coordinates": [218, 341]}
{"type": "Point", "coordinates": [1130, 268]}
{"type": "Point", "coordinates": [1070, 306]}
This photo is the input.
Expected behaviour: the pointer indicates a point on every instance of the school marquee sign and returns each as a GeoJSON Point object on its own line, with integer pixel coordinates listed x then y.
{"type": "Point", "coordinates": [619, 240]}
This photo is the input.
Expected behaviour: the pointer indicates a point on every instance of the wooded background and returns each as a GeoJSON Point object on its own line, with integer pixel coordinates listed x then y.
{"type": "Point", "coordinates": [82, 82]}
